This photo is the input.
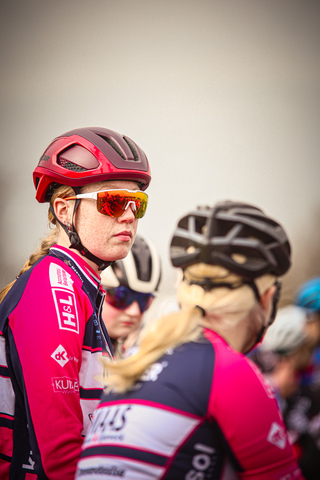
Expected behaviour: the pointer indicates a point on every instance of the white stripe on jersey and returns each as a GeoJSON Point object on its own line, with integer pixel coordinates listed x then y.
{"type": "Point", "coordinates": [118, 425]}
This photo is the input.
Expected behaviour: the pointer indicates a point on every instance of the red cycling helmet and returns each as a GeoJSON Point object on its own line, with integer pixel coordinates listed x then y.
{"type": "Point", "coordinates": [89, 155]}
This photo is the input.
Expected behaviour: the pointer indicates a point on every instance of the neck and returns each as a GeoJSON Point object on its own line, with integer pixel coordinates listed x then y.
{"type": "Point", "coordinates": [240, 334]}
{"type": "Point", "coordinates": [64, 241]}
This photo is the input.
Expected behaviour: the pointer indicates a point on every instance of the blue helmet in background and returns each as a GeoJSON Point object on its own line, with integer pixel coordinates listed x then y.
{"type": "Point", "coordinates": [308, 295]}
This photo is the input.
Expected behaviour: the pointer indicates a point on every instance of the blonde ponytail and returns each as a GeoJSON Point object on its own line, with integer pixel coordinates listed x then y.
{"type": "Point", "coordinates": [156, 338]}
{"type": "Point", "coordinates": [225, 306]}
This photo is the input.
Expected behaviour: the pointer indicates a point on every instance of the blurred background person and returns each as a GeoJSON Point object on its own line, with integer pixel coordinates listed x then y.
{"type": "Point", "coordinates": [286, 357]}
{"type": "Point", "coordinates": [285, 352]}
{"type": "Point", "coordinates": [131, 285]}
{"type": "Point", "coordinates": [188, 403]}
{"type": "Point", "coordinates": [303, 413]}
{"type": "Point", "coordinates": [308, 298]}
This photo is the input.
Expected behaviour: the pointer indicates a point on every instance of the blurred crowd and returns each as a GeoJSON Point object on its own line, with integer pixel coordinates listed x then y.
{"type": "Point", "coordinates": [289, 356]}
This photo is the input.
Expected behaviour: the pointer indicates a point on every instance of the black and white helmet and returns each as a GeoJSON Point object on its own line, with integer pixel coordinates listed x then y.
{"type": "Point", "coordinates": [140, 270]}
{"type": "Point", "coordinates": [234, 235]}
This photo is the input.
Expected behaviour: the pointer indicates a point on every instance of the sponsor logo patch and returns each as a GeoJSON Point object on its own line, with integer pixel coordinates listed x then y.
{"type": "Point", "coordinates": [60, 278]}
{"type": "Point", "coordinates": [111, 470]}
{"type": "Point", "coordinates": [277, 436]}
{"type": "Point", "coordinates": [66, 310]}
{"type": "Point", "coordinates": [60, 356]}
{"type": "Point", "coordinates": [64, 298]}
{"type": "Point", "coordinates": [153, 372]}
{"type": "Point", "coordinates": [65, 385]}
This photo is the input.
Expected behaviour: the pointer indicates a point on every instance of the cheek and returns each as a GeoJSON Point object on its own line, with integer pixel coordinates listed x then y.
{"type": "Point", "coordinates": [85, 215]}
{"type": "Point", "coordinates": [109, 315]}
{"type": "Point", "coordinates": [135, 227]}
{"type": "Point", "coordinates": [92, 225]}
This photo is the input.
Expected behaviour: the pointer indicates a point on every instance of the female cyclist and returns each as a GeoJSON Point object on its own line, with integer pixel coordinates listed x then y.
{"type": "Point", "coordinates": [130, 286]}
{"type": "Point", "coordinates": [51, 334]}
{"type": "Point", "coordinates": [188, 404]}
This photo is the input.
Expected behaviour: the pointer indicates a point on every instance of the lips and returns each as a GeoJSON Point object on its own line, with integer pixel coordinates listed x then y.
{"type": "Point", "coordinates": [125, 235]}
{"type": "Point", "coordinates": [127, 324]}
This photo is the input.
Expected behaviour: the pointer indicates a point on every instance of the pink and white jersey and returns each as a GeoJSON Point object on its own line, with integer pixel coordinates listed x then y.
{"type": "Point", "coordinates": [203, 411]}
{"type": "Point", "coordinates": [51, 339]}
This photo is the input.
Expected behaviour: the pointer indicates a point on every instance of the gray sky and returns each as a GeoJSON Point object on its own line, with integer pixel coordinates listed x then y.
{"type": "Point", "coordinates": [223, 96]}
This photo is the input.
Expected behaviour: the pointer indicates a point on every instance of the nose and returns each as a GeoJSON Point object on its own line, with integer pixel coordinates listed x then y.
{"type": "Point", "coordinates": [128, 214]}
{"type": "Point", "coordinates": [133, 309]}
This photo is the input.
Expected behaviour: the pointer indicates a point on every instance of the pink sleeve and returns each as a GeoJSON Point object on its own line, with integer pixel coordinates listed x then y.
{"type": "Point", "coordinates": [50, 357]}
{"type": "Point", "coordinates": [248, 416]}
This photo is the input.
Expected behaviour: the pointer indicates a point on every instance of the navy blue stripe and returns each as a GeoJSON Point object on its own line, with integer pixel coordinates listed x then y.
{"type": "Point", "coordinates": [5, 457]}
{"type": "Point", "coordinates": [6, 422]}
{"type": "Point", "coordinates": [91, 394]}
{"type": "Point", "coordinates": [4, 372]}
{"type": "Point", "coordinates": [124, 452]}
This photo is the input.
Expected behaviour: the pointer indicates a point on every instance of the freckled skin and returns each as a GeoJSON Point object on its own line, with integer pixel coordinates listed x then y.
{"type": "Point", "coordinates": [100, 233]}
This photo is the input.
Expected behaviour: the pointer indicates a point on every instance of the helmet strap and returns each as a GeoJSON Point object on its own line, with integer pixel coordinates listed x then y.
{"type": "Point", "coordinates": [275, 301]}
{"type": "Point", "coordinates": [75, 242]}
{"type": "Point", "coordinates": [85, 253]}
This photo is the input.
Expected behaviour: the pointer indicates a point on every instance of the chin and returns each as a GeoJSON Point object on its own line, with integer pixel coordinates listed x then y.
{"type": "Point", "coordinates": [118, 253]}
{"type": "Point", "coordinates": [122, 251]}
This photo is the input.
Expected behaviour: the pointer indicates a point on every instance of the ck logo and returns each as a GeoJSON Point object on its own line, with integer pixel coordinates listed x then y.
{"type": "Point", "coordinates": [277, 436]}
{"type": "Point", "coordinates": [60, 356]}
{"type": "Point", "coordinates": [66, 309]}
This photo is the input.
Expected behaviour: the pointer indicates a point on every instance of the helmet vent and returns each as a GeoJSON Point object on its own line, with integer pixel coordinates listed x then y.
{"type": "Point", "coordinates": [70, 166]}
{"type": "Point", "coordinates": [113, 145]}
{"type": "Point", "coordinates": [133, 149]}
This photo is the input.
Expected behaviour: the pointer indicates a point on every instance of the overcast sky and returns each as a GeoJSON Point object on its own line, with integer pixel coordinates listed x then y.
{"type": "Point", "coordinates": [223, 96]}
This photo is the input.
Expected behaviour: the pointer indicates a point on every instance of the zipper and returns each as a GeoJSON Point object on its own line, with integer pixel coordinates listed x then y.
{"type": "Point", "coordinates": [100, 325]}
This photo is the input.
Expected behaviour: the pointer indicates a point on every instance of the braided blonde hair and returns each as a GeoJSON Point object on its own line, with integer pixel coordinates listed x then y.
{"type": "Point", "coordinates": [62, 192]}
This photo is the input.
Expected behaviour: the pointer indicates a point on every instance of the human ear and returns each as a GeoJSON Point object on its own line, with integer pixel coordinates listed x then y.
{"type": "Point", "coordinates": [61, 209]}
{"type": "Point", "coordinates": [266, 297]}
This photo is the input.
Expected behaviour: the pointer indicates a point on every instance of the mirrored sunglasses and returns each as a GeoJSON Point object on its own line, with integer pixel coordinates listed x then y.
{"type": "Point", "coordinates": [115, 202]}
{"type": "Point", "coordinates": [121, 297]}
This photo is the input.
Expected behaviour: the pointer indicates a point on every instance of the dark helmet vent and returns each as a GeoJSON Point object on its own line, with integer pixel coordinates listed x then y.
{"type": "Point", "coordinates": [130, 144]}
{"type": "Point", "coordinates": [70, 166]}
{"type": "Point", "coordinates": [133, 149]}
{"type": "Point", "coordinates": [113, 145]}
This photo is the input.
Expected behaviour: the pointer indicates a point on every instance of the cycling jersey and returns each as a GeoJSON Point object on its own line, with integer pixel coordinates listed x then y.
{"type": "Point", "coordinates": [202, 411]}
{"type": "Point", "coordinates": [51, 338]}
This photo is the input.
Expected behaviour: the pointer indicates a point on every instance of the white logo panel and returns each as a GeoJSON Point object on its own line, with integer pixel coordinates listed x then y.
{"type": "Point", "coordinates": [66, 309]}
{"type": "Point", "coordinates": [118, 424]}
{"type": "Point", "coordinates": [60, 278]}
